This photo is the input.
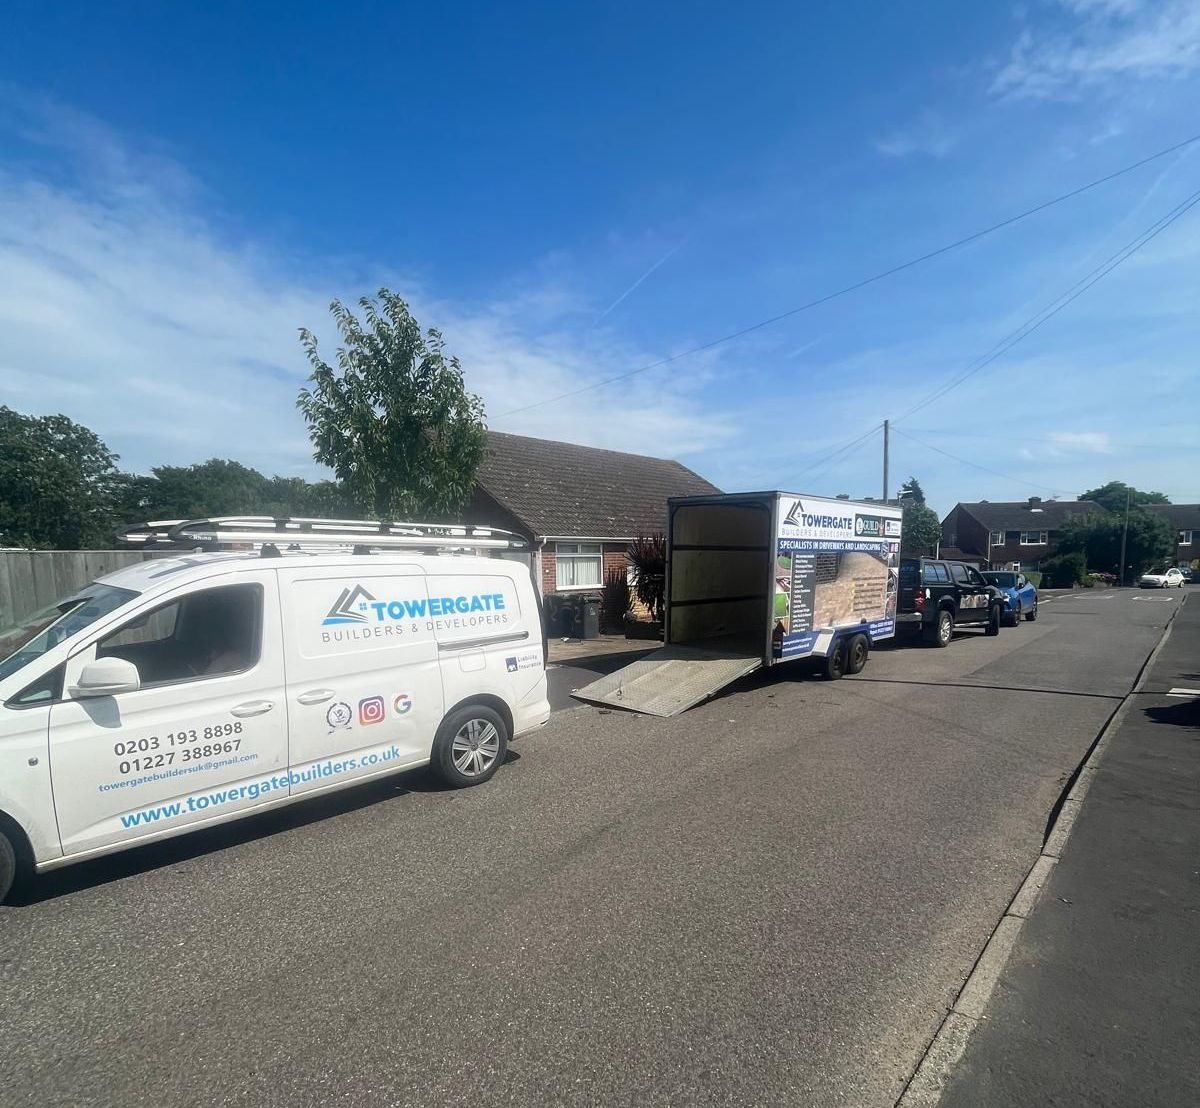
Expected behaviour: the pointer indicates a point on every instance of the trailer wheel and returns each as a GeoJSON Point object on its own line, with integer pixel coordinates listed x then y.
{"type": "Point", "coordinates": [857, 651]}
{"type": "Point", "coordinates": [835, 663]}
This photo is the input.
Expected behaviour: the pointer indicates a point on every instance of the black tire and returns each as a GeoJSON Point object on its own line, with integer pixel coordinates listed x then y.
{"type": "Point", "coordinates": [1031, 615]}
{"type": "Point", "coordinates": [464, 754]}
{"type": "Point", "coordinates": [8, 865]}
{"type": "Point", "coordinates": [993, 623]}
{"type": "Point", "coordinates": [857, 651]}
{"type": "Point", "coordinates": [1015, 619]}
{"type": "Point", "coordinates": [835, 663]}
{"type": "Point", "coordinates": [941, 631]}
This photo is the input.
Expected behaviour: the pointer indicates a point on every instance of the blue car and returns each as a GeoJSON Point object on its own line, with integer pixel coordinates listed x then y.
{"type": "Point", "coordinates": [1020, 597]}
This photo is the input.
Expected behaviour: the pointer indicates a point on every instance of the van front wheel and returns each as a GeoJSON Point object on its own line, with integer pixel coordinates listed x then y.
{"type": "Point", "coordinates": [8, 865]}
{"type": "Point", "coordinates": [470, 745]}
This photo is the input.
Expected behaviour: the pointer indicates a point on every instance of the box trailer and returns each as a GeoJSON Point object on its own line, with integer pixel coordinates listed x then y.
{"type": "Point", "coordinates": [761, 579]}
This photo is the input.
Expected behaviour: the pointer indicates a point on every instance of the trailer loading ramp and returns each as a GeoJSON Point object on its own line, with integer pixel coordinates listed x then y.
{"type": "Point", "coordinates": [672, 679]}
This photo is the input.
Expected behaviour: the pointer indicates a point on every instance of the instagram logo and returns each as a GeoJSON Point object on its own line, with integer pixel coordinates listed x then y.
{"type": "Point", "coordinates": [371, 710]}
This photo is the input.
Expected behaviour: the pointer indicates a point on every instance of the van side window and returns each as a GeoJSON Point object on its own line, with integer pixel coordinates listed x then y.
{"type": "Point", "coordinates": [935, 574]}
{"type": "Point", "coordinates": [209, 633]}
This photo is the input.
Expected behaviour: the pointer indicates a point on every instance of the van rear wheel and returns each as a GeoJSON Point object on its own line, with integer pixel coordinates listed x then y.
{"type": "Point", "coordinates": [470, 745]}
{"type": "Point", "coordinates": [8, 865]}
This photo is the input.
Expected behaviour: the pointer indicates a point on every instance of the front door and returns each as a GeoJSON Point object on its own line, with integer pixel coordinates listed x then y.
{"type": "Point", "coordinates": [363, 682]}
{"type": "Point", "coordinates": [204, 736]}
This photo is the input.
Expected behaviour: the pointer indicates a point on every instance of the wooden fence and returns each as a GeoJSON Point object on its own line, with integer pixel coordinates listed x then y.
{"type": "Point", "coordinates": [31, 580]}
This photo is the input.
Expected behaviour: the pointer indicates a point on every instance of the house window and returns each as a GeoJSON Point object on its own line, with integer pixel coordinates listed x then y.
{"type": "Point", "coordinates": [578, 565]}
{"type": "Point", "coordinates": [1033, 538]}
{"type": "Point", "coordinates": [1185, 538]}
{"type": "Point", "coordinates": [996, 538]}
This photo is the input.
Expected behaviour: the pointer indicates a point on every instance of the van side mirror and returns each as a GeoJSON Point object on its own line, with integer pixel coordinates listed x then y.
{"type": "Point", "coordinates": [106, 677]}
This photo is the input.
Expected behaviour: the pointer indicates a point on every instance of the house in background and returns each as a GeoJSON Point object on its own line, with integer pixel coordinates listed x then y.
{"type": "Point", "coordinates": [1185, 519]}
{"type": "Point", "coordinates": [580, 507]}
{"type": "Point", "coordinates": [1002, 535]}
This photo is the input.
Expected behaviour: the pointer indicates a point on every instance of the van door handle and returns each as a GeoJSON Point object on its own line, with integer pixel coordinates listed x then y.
{"type": "Point", "coordinates": [315, 696]}
{"type": "Point", "coordinates": [253, 708]}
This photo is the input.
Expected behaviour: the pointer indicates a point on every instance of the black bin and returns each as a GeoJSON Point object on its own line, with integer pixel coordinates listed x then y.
{"type": "Point", "coordinates": [591, 618]}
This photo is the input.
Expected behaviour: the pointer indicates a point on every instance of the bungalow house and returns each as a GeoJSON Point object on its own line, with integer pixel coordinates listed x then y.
{"type": "Point", "coordinates": [578, 506]}
{"type": "Point", "coordinates": [1185, 520]}
{"type": "Point", "coordinates": [1008, 535]}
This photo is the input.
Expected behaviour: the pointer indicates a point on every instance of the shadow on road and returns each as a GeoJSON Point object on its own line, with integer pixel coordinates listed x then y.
{"type": "Point", "coordinates": [38, 888]}
{"type": "Point", "coordinates": [1184, 714]}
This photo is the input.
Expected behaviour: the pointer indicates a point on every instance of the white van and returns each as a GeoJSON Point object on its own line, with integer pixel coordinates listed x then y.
{"type": "Point", "coordinates": [188, 691]}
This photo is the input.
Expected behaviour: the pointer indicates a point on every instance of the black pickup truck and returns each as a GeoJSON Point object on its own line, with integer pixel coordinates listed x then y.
{"type": "Point", "coordinates": [937, 594]}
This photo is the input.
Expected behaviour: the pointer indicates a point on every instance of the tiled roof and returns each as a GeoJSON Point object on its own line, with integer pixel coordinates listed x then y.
{"type": "Point", "coordinates": [1183, 517]}
{"type": "Point", "coordinates": [558, 489]}
{"type": "Point", "coordinates": [1020, 516]}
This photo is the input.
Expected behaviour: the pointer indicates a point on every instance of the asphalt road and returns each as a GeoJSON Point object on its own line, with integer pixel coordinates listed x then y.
{"type": "Point", "coordinates": [770, 899]}
{"type": "Point", "coordinates": [1099, 1004]}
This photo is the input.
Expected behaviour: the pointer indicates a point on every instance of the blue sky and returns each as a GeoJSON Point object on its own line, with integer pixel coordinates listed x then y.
{"type": "Point", "coordinates": [573, 191]}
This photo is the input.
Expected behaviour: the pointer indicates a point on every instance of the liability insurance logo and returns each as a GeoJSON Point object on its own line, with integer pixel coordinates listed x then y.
{"type": "Point", "coordinates": [350, 607]}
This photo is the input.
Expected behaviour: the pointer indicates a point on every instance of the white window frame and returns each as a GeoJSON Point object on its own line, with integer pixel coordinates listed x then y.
{"type": "Point", "coordinates": [1039, 541]}
{"type": "Point", "coordinates": [1185, 538]}
{"type": "Point", "coordinates": [576, 554]}
{"type": "Point", "coordinates": [993, 541]}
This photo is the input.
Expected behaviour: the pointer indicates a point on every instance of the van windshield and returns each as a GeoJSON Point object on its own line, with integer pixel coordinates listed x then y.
{"type": "Point", "coordinates": [29, 639]}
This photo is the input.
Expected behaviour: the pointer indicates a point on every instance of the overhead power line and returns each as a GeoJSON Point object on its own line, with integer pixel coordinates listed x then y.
{"type": "Point", "coordinates": [947, 248]}
{"type": "Point", "coordinates": [976, 465]}
{"type": "Point", "coordinates": [1059, 303]}
{"type": "Point", "coordinates": [828, 459]}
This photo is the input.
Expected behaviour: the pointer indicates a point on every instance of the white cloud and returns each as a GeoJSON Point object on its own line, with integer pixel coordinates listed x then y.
{"type": "Point", "coordinates": [1110, 41]}
{"type": "Point", "coordinates": [127, 311]}
{"type": "Point", "coordinates": [1089, 442]}
{"type": "Point", "coordinates": [928, 134]}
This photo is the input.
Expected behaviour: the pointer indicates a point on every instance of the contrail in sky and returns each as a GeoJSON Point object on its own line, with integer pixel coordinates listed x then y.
{"type": "Point", "coordinates": [661, 261]}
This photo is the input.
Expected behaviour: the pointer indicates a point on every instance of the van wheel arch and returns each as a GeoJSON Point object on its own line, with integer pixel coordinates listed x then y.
{"type": "Point", "coordinates": [488, 700]}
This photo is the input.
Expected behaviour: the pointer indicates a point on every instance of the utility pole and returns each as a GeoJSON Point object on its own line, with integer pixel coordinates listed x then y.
{"type": "Point", "coordinates": [1124, 536]}
{"type": "Point", "coordinates": [885, 460]}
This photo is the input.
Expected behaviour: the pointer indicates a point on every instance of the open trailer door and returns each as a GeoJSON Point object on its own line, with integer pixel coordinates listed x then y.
{"type": "Point", "coordinates": [671, 680]}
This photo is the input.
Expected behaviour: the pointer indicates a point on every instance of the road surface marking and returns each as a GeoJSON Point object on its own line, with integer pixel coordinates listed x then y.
{"type": "Point", "coordinates": [1184, 692]}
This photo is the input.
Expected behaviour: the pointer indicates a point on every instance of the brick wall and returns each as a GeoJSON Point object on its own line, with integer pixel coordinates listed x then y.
{"type": "Point", "coordinates": [612, 556]}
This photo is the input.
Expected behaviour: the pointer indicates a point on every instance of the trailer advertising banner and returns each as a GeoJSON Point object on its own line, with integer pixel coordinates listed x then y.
{"type": "Point", "coordinates": [835, 567]}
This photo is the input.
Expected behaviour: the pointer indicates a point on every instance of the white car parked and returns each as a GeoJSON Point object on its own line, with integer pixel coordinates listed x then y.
{"type": "Point", "coordinates": [1166, 579]}
{"type": "Point", "coordinates": [189, 691]}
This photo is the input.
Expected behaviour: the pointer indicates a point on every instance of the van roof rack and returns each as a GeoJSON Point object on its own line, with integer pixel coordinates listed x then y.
{"type": "Point", "coordinates": [304, 535]}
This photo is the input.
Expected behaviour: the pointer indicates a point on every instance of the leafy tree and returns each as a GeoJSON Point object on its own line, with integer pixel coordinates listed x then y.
{"type": "Point", "coordinates": [921, 530]}
{"type": "Point", "coordinates": [58, 483]}
{"type": "Point", "coordinates": [1150, 541]}
{"type": "Point", "coordinates": [912, 492]}
{"type": "Point", "coordinates": [1112, 496]}
{"type": "Point", "coordinates": [218, 487]}
{"type": "Point", "coordinates": [394, 419]}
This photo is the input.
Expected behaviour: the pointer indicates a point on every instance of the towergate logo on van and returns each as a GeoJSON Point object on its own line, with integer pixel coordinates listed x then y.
{"type": "Point", "coordinates": [357, 605]}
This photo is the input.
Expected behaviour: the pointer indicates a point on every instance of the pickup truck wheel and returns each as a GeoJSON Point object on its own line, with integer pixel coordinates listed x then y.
{"type": "Point", "coordinates": [835, 663]}
{"type": "Point", "coordinates": [8, 865]}
{"type": "Point", "coordinates": [993, 623]}
{"type": "Point", "coordinates": [1031, 615]}
{"type": "Point", "coordinates": [470, 745]}
{"type": "Point", "coordinates": [857, 650]}
{"type": "Point", "coordinates": [941, 631]}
